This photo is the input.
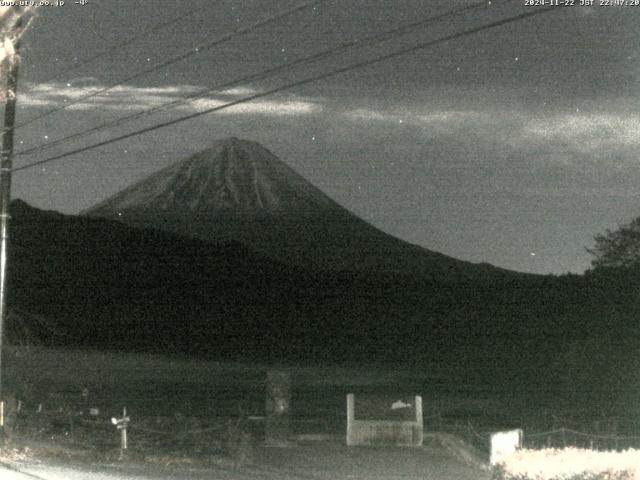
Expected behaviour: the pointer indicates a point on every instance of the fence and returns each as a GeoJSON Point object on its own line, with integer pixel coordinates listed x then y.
{"type": "Point", "coordinates": [199, 433]}
{"type": "Point", "coordinates": [178, 435]}
{"type": "Point", "coordinates": [375, 426]}
{"type": "Point", "coordinates": [561, 437]}
{"type": "Point", "coordinates": [204, 422]}
{"type": "Point", "coordinates": [566, 437]}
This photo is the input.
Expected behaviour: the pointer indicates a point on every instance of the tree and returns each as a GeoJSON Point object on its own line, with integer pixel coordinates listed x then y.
{"type": "Point", "coordinates": [618, 248]}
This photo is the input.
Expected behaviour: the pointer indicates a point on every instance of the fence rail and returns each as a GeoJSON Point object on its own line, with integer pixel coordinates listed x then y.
{"type": "Point", "coordinates": [560, 437]}
{"type": "Point", "coordinates": [604, 433]}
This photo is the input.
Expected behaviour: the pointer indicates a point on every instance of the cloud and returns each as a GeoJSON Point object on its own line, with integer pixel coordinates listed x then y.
{"type": "Point", "coordinates": [56, 94]}
{"type": "Point", "coordinates": [586, 131]}
{"type": "Point", "coordinates": [439, 122]}
{"type": "Point", "coordinates": [239, 91]}
{"type": "Point", "coordinates": [133, 98]}
{"type": "Point", "coordinates": [451, 116]}
{"type": "Point", "coordinates": [370, 115]}
{"type": "Point", "coordinates": [259, 107]}
{"type": "Point", "coordinates": [515, 129]}
{"type": "Point", "coordinates": [80, 80]}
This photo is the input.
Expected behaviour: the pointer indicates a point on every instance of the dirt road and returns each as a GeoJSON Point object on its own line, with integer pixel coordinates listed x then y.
{"type": "Point", "coordinates": [313, 461]}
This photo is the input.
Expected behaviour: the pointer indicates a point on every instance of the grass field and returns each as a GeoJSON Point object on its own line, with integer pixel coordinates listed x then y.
{"type": "Point", "coordinates": [153, 385]}
{"type": "Point", "coordinates": [181, 410]}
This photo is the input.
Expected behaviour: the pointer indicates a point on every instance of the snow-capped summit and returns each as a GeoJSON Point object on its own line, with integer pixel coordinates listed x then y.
{"type": "Point", "coordinates": [233, 176]}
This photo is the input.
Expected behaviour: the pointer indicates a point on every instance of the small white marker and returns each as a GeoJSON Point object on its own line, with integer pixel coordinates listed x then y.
{"type": "Point", "coordinates": [398, 404]}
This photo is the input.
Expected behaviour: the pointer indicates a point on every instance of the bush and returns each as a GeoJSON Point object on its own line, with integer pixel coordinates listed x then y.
{"type": "Point", "coordinates": [569, 464]}
{"type": "Point", "coordinates": [239, 444]}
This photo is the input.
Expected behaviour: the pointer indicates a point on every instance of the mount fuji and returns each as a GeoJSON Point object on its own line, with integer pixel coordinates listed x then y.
{"type": "Point", "coordinates": [239, 191]}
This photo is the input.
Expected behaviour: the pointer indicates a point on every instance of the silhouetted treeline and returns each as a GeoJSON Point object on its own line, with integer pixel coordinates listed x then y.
{"type": "Point", "coordinates": [76, 281]}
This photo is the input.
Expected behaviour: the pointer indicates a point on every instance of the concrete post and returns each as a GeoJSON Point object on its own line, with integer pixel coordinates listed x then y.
{"type": "Point", "coordinates": [278, 408]}
{"type": "Point", "coordinates": [350, 418]}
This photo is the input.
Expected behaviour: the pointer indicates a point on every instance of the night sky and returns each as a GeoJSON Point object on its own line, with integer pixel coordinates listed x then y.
{"type": "Point", "coordinates": [512, 146]}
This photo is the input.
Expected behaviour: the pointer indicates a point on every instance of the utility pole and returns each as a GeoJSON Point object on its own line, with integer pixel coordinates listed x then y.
{"type": "Point", "coordinates": [6, 165]}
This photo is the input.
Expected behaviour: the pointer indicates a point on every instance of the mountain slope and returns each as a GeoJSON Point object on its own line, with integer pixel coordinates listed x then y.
{"type": "Point", "coordinates": [97, 283]}
{"type": "Point", "coordinates": [239, 191]}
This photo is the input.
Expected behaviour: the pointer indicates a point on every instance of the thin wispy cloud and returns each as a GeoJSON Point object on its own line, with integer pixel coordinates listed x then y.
{"type": "Point", "coordinates": [132, 98]}
{"type": "Point", "coordinates": [586, 131]}
{"type": "Point", "coordinates": [515, 130]}
{"type": "Point", "coordinates": [427, 117]}
{"type": "Point", "coordinates": [257, 107]}
{"type": "Point", "coordinates": [239, 91]}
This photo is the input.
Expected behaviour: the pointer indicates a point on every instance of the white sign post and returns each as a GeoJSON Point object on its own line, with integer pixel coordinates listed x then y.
{"type": "Point", "coordinates": [504, 444]}
{"type": "Point", "coordinates": [122, 424]}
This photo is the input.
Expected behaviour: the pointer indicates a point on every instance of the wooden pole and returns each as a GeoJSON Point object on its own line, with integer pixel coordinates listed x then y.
{"type": "Point", "coordinates": [6, 165]}
{"type": "Point", "coordinates": [123, 434]}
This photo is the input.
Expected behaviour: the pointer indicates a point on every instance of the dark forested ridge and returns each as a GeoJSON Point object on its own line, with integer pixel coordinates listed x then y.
{"type": "Point", "coordinates": [89, 282]}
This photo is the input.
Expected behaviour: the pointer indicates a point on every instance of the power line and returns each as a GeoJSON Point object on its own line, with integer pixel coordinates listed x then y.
{"type": "Point", "coordinates": [298, 83]}
{"type": "Point", "coordinates": [119, 46]}
{"type": "Point", "coordinates": [294, 84]}
{"type": "Point", "coordinates": [178, 58]}
{"type": "Point", "coordinates": [364, 41]}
